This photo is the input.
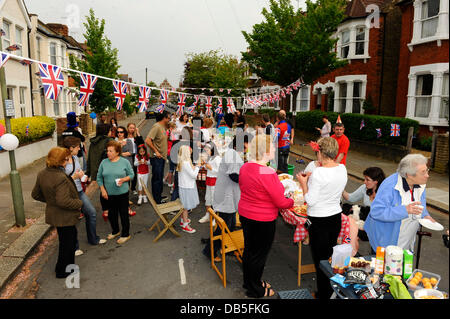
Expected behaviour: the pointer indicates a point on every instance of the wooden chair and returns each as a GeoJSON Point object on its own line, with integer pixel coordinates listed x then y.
{"type": "Point", "coordinates": [161, 210]}
{"type": "Point", "coordinates": [303, 269]}
{"type": "Point", "coordinates": [230, 241]}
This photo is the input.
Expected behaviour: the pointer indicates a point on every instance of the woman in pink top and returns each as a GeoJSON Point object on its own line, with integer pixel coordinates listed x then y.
{"type": "Point", "coordinates": [262, 195]}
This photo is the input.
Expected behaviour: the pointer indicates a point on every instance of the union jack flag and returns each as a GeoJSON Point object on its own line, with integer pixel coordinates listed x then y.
{"type": "Point", "coordinates": [26, 62]}
{"type": "Point", "coordinates": [3, 58]}
{"type": "Point", "coordinates": [52, 80]}
{"type": "Point", "coordinates": [362, 125]}
{"type": "Point", "coordinates": [378, 132]}
{"type": "Point", "coordinates": [181, 103]}
{"type": "Point", "coordinates": [395, 130]}
{"type": "Point", "coordinates": [219, 109]}
{"type": "Point", "coordinates": [220, 90]}
{"type": "Point", "coordinates": [194, 104]}
{"type": "Point", "coordinates": [229, 91]}
{"type": "Point", "coordinates": [164, 98]}
{"type": "Point", "coordinates": [120, 92]}
{"type": "Point", "coordinates": [282, 93]}
{"type": "Point", "coordinates": [87, 85]}
{"type": "Point", "coordinates": [27, 129]}
{"type": "Point", "coordinates": [208, 106]}
{"type": "Point", "coordinates": [144, 95]}
{"type": "Point", "coordinates": [230, 105]}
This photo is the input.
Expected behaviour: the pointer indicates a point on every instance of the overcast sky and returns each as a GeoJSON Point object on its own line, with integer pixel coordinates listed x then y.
{"type": "Point", "coordinates": [158, 34]}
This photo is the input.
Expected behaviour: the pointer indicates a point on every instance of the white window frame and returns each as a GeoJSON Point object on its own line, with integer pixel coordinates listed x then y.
{"type": "Point", "coordinates": [353, 26]}
{"type": "Point", "coordinates": [56, 107]}
{"type": "Point", "coordinates": [437, 70]}
{"type": "Point", "coordinates": [442, 32]}
{"type": "Point", "coordinates": [22, 101]}
{"type": "Point", "coordinates": [55, 62]}
{"type": "Point", "coordinates": [349, 79]}
{"type": "Point", "coordinates": [302, 102]}
{"type": "Point", "coordinates": [6, 39]}
{"type": "Point", "coordinates": [19, 29]}
{"type": "Point", "coordinates": [444, 97]}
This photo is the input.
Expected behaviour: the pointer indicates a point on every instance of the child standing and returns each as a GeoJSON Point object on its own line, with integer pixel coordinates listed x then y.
{"type": "Point", "coordinates": [187, 177]}
{"type": "Point", "coordinates": [172, 137]}
{"type": "Point", "coordinates": [142, 161]}
{"type": "Point", "coordinates": [212, 167]}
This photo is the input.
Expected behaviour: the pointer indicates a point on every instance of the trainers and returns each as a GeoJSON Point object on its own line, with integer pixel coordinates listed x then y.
{"type": "Point", "coordinates": [102, 241]}
{"type": "Point", "coordinates": [181, 222]}
{"type": "Point", "coordinates": [204, 219]}
{"type": "Point", "coordinates": [78, 252]}
{"type": "Point", "coordinates": [112, 236]}
{"type": "Point", "coordinates": [139, 202]}
{"type": "Point", "coordinates": [145, 199]}
{"type": "Point", "coordinates": [123, 240]}
{"type": "Point", "coordinates": [135, 192]}
{"type": "Point", "coordinates": [188, 229]}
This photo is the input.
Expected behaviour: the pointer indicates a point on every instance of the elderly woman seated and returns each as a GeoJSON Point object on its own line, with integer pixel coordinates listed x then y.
{"type": "Point", "coordinates": [400, 201]}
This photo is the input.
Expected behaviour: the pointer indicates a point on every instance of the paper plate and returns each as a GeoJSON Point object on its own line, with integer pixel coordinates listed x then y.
{"type": "Point", "coordinates": [430, 225]}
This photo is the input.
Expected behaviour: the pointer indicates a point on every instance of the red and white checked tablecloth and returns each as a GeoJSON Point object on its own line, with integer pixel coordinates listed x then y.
{"type": "Point", "coordinates": [301, 232]}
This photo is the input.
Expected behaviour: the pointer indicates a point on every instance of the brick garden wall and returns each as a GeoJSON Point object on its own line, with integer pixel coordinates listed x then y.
{"type": "Point", "coordinates": [441, 159]}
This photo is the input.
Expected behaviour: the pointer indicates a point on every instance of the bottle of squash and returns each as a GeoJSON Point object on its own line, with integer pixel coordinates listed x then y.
{"type": "Point", "coordinates": [379, 260]}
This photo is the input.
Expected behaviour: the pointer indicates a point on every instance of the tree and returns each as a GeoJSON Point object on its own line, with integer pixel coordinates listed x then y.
{"type": "Point", "coordinates": [101, 59]}
{"type": "Point", "coordinates": [292, 44]}
{"type": "Point", "coordinates": [214, 69]}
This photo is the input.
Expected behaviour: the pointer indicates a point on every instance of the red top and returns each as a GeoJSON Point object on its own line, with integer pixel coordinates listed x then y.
{"type": "Point", "coordinates": [262, 193]}
{"type": "Point", "coordinates": [344, 144]}
{"type": "Point", "coordinates": [142, 168]}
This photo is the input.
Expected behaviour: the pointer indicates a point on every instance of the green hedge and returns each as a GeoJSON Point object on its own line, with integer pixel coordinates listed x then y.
{"type": "Point", "coordinates": [39, 127]}
{"type": "Point", "coordinates": [308, 121]}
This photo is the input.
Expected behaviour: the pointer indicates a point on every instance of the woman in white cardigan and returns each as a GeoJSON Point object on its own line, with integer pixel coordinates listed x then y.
{"type": "Point", "coordinates": [323, 194]}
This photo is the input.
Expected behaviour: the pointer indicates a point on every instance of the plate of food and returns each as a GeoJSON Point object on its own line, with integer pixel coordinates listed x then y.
{"type": "Point", "coordinates": [430, 225]}
{"type": "Point", "coordinates": [284, 176]}
{"type": "Point", "coordinates": [299, 211]}
{"type": "Point", "coordinates": [290, 186]}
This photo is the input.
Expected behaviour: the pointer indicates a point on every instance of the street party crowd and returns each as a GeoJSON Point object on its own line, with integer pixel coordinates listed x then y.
{"type": "Point", "coordinates": [242, 165]}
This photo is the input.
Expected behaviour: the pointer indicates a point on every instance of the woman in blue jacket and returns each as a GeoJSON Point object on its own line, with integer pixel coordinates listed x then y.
{"type": "Point", "coordinates": [399, 203]}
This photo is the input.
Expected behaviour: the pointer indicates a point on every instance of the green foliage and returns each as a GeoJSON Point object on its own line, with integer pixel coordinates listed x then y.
{"type": "Point", "coordinates": [290, 44]}
{"type": "Point", "coordinates": [39, 127]}
{"type": "Point", "coordinates": [272, 112]}
{"type": "Point", "coordinates": [423, 143]}
{"type": "Point", "coordinates": [101, 59]}
{"type": "Point", "coordinates": [214, 69]}
{"type": "Point", "coordinates": [308, 121]}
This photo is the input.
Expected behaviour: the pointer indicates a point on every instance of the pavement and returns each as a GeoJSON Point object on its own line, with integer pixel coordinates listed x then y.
{"type": "Point", "coordinates": [17, 243]}
{"type": "Point", "coordinates": [437, 190]}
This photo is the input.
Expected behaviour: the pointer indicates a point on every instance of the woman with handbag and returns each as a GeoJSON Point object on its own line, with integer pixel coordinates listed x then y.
{"type": "Point", "coordinates": [59, 192]}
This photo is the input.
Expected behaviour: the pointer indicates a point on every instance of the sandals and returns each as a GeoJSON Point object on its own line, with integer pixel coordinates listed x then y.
{"type": "Point", "coordinates": [266, 285]}
{"type": "Point", "coordinates": [269, 292]}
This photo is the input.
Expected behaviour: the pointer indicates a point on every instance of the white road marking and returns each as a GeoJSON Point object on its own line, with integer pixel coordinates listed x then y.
{"type": "Point", "coordinates": [182, 273]}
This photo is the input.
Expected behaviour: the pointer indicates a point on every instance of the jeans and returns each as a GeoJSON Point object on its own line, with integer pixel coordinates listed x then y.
{"type": "Point", "coordinates": [66, 251]}
{"type": "Point", "coordinates": [134, 181]}
{"type": "Point", "coordinates": [157, 177]}
{"type": "Point", "coordinates": [90, 214]}
{"type": "Point", "coordinates": [283, 154]}
{"type": "Point", "coordinates": [258, 239]}
{"type": "Point", "coordinates": [230, 221]}
{"type": "Point", "coordinates": [119, 207]}
{"type": "Point", "coordinates": [175, 192]}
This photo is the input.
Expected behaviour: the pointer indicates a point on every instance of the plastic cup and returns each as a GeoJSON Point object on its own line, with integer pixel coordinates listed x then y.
{"type": "Point", "coordinates": [117, 181]}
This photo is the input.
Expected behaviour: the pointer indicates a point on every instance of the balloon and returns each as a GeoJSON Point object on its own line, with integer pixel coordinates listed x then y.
{"type": "Point", "coordinates": [93, 115]}
{"type": "Point", "coordinates": [9, 142]}
{"type": "Point", "coordinates": [2, 129]}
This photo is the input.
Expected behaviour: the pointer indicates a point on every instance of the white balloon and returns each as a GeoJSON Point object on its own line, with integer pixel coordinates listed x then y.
{"type": "Point", "coordinates": [9, 142]}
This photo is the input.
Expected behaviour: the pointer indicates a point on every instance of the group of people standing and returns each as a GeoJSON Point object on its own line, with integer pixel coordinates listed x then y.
{"type": "Point", "coordinates": [241, 178]}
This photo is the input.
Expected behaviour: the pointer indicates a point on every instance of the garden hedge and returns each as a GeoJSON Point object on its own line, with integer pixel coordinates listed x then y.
{"type": "Point", "coordinates": [308, 121]}
{"type": "Point", "coordinates": [39, 127]}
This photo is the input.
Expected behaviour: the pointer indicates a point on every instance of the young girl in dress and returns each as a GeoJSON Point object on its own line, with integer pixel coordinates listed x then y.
{"type": "Point", "coordinates": [142, 161]}
{"type": "Point", "coordinates": [187, 177]}
{"type": "Point", "coordinates": [212, 167]}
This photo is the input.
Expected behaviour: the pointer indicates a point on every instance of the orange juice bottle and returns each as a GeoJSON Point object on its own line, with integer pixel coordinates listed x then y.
{"type": "Point", "coordinates": [379, 260]}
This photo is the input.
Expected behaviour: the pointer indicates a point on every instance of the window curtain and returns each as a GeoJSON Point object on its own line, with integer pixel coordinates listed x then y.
{"type": "Point", "coordinates": [424, 89]}
{"type": "Point", "coordinates": [430, 12]}
{"type": "Point", "coordinates": [444, 101]}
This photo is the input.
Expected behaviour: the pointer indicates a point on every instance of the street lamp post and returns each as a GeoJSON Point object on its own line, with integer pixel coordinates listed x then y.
{"type": "Point", "coordinates": [16, 184]}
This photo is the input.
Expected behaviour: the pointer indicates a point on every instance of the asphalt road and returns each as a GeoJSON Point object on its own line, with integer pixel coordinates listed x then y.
{"type": "Point", "coordinates": [144, 269]}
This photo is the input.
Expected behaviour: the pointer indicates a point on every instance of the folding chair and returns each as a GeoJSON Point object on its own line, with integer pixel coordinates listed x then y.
{"type": "Point", "coordinates": [230, 241]}
{"type": "Point", "coordinates": [161, 210]}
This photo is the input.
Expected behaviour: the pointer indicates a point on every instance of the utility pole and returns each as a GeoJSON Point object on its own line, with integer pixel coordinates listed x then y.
{"type": "Point", "coordinates": [16, 184]}
{"type": "Point", "coordinates": [146, 76]}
